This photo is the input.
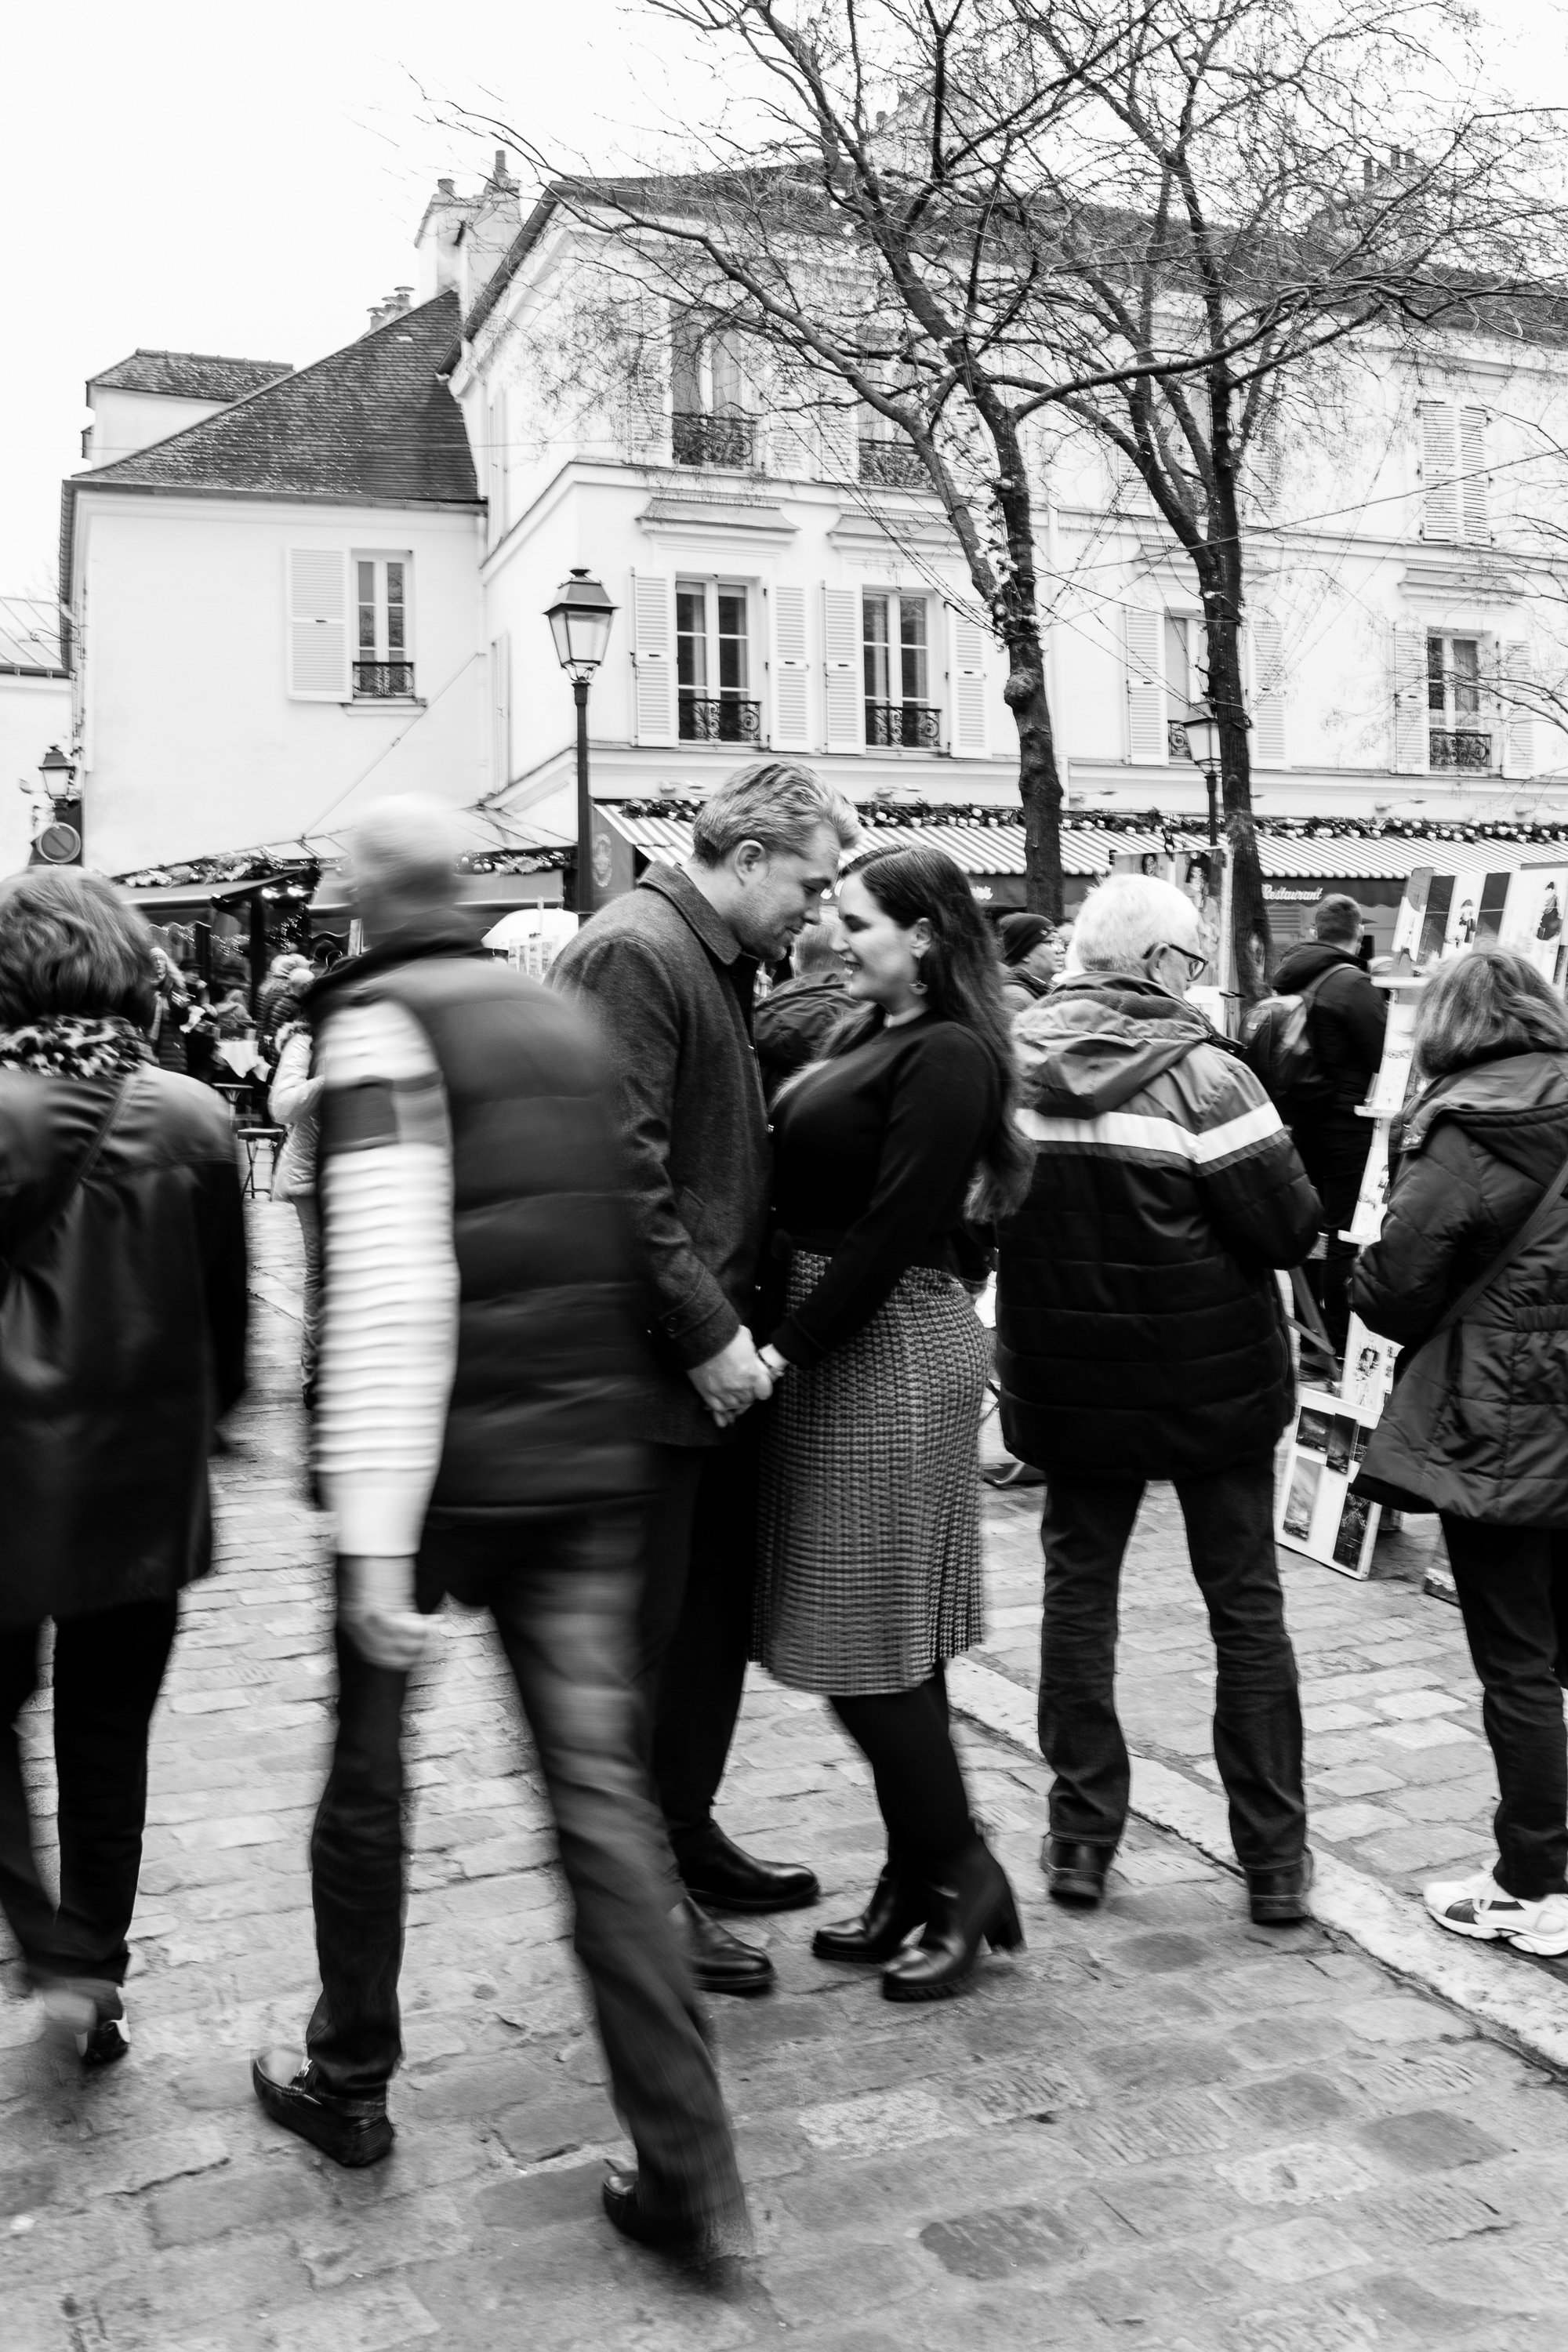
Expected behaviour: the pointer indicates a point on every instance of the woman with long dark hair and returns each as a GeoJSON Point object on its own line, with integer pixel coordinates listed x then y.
{"type": "Point", "coordinates": [1471, 1276]}
{"type": "Point", "coordinates": [871, 1544]}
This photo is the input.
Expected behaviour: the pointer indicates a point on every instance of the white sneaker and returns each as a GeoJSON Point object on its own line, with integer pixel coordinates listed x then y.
{"type": "Point", "coordinates": [1478, 1906]}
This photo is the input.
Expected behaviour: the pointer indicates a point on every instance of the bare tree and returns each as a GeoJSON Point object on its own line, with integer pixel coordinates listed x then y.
{"type": "Point", "coordinates": [1224, 222]}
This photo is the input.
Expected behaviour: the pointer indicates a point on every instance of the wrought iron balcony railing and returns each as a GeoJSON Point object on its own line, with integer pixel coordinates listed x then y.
{"type": "Point", "coordinates": [698, 439]}
{"type": "Point", "coordinates": [1452, 747]}
{"type": "Point", "coordinates": [380, 681]}
{"type": "Point", "coordinates": [892, 465]}
{"type": "Point", "coordinates": [718, 718]}
{"type": "Point", "coordinates": [903, 726]}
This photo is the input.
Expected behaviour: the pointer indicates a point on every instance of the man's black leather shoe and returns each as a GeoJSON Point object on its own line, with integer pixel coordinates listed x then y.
{"type": "Point", "coordinates": [715, 1871]}
{"type": "Point", "coordinates": [1277, 1898]}
{"type": "Point", "coordinates": [720, 1961]}
{"type": "Point", "coordinates": [708, 2240]}
{"type": "Point", "coordinates": [1073, 1874]}
{"type": "Point", "coordinates": [353, 2132]}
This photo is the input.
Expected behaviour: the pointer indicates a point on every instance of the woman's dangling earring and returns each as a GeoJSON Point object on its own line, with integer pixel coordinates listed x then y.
{"type": "Point", "coordinates": [918, 984]}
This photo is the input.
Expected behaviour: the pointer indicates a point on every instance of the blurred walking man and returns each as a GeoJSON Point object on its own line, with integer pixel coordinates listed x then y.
{"type": "Point", "coordinates": [480, 1350]}
{"type": "Point", "coordinates": [669, 968]}
{"type": "Point", "coordinates": [1141, 1336]}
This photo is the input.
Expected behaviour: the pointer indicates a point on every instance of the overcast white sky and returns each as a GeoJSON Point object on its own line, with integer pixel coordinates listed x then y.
{"type": "Point", "coordinates": [196, 178]}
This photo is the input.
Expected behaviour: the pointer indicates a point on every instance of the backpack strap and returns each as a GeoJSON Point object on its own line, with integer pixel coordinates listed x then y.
{"type": "Point", "coordinates": [64, 1193]}
{"type": "Point", "coordinates": [1505, 1257]}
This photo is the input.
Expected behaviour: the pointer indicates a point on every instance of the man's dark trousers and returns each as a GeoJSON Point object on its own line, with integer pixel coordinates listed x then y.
{"type": "Point", "coordinates": [561, 1587]}
{"type": "Point", "coordinates": [1334, 1154]}
{"type": "Point", "coordinates": [1229, 1520]}
{"type": "Point", "coordinates": [695, 1626]}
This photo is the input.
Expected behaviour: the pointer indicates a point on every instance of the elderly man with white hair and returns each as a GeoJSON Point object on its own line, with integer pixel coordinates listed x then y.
{"type": "Point", "coordinates": [1141, 1336]}
{"type": "Point", "coordinates": [481, 1353]}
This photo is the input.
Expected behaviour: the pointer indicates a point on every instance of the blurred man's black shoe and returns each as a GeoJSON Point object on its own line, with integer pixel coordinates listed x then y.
{"type": "Point", "coordinates": [716, 1872]}
{"type": "Point", "coordinates": [353, 2132]}
{"type": "Point", "coordinates": [1277, 1898]}
{"type": "Point", "coordinates": [1073, 1874]}
{"type": "Point", "coordinates": [712, 2239]}
{"type": "Point", "coordinates": [720, 1961]}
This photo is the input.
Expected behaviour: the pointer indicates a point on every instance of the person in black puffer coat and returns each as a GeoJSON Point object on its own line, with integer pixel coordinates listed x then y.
{"type": "Point", "coordinates": [1140, 1335]}
{"type": "Point", "coordinates": [1347, 1017]}
{"type": "Point", "coordinates": [1478, 1424]}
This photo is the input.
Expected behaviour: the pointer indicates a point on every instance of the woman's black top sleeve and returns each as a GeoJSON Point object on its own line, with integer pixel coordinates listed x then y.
{"type": "Point", "coordinates": [874, 1156]}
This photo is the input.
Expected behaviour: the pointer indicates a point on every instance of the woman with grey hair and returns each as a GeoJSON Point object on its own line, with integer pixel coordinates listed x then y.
{"type": "Point", "coordinates": [1470, 1275]}
{"type": "Point", "coordinates": [121, 1341]}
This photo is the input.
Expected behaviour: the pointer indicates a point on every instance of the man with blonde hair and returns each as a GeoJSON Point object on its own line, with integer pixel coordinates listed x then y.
{"type": "Point", "coordinates": [480, 1361]}
{"type": "Point", "coordinates": [1141, 1336]}
{"type": "Point", "coordinates": [669, 968]}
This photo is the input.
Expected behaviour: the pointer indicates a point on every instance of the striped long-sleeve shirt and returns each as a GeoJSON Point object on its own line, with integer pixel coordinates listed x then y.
{"type": "Point", "coordinates": [389, 1331]}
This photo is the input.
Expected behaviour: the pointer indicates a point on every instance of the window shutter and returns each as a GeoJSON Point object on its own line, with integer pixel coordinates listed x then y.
{"type": "Point", "coordinates": [644, 385]}
{"type": "Point", "coordinates": [500, 711]}
{"type": "Point", "coordinates": [652, 634]}
{"type": "Point", "coordinates": [1518, 721]}
{"type": "Point", "coordinates": [1267, 692]}
{"type": "Point", "coordinates": [841, 663]}
{"type": "Point", "coordinates": [1145, 689]}
{"type": "Point", "coordinates": [968, 716]}
{"type": "Point", "coordinates": [1439, 503]}
{"type": "Point", "coordinates": [1474, 503]}
{"type": "Point", "coordinates": [1130, 493]}
{"type": "Point", "coordinates": [319, 625]}
{"type": "Point", "coordinates": [792, 674]}
{"type": "Point", "coordinates": [840, 445]}
{"type": "Point", "coordinates": [1409, 700]}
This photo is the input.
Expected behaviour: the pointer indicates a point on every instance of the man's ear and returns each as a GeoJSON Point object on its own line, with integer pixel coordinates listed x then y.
{"type": "Point", "coordinates": [750, 858]}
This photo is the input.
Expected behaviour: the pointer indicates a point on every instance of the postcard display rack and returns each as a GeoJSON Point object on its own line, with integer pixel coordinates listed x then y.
{"type": "Point", "coordinates": [1441, 915]}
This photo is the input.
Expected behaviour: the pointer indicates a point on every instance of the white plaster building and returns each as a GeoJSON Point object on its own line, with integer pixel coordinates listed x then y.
{"type": "Point", "coordinates": [278, 607]}
{"type": "Point", "coordinates": [35, 712]}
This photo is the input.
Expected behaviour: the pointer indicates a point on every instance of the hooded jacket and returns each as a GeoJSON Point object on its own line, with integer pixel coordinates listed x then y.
{"type": "Point", "coordinates": [1478, 1424]}
{"type": "Point", "coordinates": [1140, 1332]}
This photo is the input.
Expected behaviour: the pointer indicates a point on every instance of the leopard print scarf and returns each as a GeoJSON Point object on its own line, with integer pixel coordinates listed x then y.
{"type": "Point", "coordinates": [75, 1045]}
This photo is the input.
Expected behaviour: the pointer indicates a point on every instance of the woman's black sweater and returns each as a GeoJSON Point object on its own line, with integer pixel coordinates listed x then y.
{"type": "Point", "coordinates": [873, 1155]}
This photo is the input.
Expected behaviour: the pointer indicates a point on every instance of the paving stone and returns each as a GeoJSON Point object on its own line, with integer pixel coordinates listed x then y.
{"type": "Point", "coordinates": [1428, 2139]}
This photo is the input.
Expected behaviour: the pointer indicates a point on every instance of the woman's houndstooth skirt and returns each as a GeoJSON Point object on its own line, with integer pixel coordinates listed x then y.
{"type": "Point", "coordinates": [869, 1561]}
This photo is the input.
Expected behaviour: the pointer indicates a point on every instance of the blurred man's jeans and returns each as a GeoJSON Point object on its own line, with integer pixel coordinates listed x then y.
{"type": "Point", "coordinates": [1229, 1518]}
{"type": "Point", "coordinates": [562, 1590]}
{"type": "Point", "coordinates": [109, 1669]}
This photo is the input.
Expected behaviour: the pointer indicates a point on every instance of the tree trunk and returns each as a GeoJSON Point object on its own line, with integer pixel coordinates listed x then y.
{"type": "Point", "coordinates": [1017, 615]}
{"type": "Point", "coordinates": [1219, 583]}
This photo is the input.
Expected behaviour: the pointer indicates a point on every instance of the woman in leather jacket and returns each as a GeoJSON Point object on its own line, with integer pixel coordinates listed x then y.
{"type": "Point", "coordinates": [1477, 1427]}
{"type": "Point", "coordinates": [122, 1342]}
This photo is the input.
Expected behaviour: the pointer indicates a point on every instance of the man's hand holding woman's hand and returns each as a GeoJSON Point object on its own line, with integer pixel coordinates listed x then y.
{"type": "Point", "coordinates": [733, 1380]}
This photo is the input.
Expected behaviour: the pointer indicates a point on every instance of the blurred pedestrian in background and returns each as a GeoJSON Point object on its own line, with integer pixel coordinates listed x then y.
{"type": "Point", "coordinates": [121, 1341]}
{"type": "Point", "coordinates": [669, 969]}
{"type": "Point", "coordinates": [1031, 959]}
{"type": "Point", "coordinates": [870, 1545]}
{"type": "Point", "coordinates": [1471, 1276]}
{"type": "Point", "coordinates": [793, 1025]}
{"type": "Point", "coordinates": [1346, 1018]}
{"type": "Point", "coordinates": [292, 1103]}
{"type": "Point", "coordinates": [288, 978]}
{"type": "Point", "coordinates": [480, 1354]}
{"type": "Point", "coordinates": [1140, 1336]}
{"type": "Point", "coordinates": [170, 1012]}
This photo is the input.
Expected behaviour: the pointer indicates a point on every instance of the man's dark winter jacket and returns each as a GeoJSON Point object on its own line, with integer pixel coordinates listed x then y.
{"type": "Point", "coordinates": [1478, 1424]}
{"type": "Point", "coordinates": [552, 1359]}
{"type": "Point", "coordinates": [1138, 1320]}
{"type": "Point", "coordinates": [673, 993]}
{"type": "Point", "coordinates": [793, 1025]}
{"type": "Point", "coordinates": [1348, 1017]}
{"type": "Point", "coordinates": [122, 1339]}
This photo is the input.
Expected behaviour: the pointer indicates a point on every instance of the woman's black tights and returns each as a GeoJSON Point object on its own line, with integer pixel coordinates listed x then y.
{"type": "Point", "coordinates": [904, 1738]}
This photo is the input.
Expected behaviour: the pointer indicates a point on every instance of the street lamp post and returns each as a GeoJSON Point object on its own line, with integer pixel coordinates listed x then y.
{"type": "Point", "coordinates": [579, 622]}
{"type": "Point", "coordinates": [58, 841]}
{"type": "Point", "coordinates": [1203, 746]}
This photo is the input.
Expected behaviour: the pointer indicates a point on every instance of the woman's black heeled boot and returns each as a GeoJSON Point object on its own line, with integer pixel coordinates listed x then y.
{"type": "Point", "coordinates": [971, 1905]}
{"type": "Point", "coordinates": [897, 1906]}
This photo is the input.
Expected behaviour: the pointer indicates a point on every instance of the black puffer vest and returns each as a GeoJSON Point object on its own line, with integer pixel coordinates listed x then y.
{"type": "Point", "coordinates": [551, 1353]}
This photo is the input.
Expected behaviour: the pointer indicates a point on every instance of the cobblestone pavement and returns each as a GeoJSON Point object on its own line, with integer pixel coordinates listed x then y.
{"type": "Point", "coordinates": [1159, 2126]}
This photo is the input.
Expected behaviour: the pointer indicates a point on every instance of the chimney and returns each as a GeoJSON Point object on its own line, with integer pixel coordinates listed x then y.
{"type": "Point", "coordinates": [486, 236]}
{"type": "Point", "coordinates": [436, 242]}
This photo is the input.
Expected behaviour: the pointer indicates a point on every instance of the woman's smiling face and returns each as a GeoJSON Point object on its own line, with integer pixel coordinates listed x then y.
{"type": "Point", "coordinates": [881, 958]}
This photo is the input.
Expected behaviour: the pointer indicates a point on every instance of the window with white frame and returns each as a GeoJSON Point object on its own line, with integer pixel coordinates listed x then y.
{"type": "Point", "coordinates": [895, 653]}
{"type": "Point", "coordinates": [708, 426]}
{"type": "Point", "coordinates": [1182, 687]}
{"type": "Point", "coordinates": [714, 663]}
{"type": "Point", "coordinates": [1458, 734]}
{"type": "Point", "coordinates": [384, 665]}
